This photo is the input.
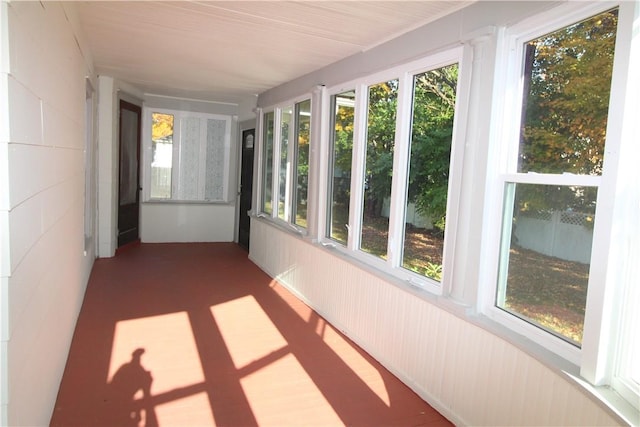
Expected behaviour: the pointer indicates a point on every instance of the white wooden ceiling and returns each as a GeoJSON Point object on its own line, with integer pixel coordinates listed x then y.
{"type": "Point", "coordinates": [227, 50]}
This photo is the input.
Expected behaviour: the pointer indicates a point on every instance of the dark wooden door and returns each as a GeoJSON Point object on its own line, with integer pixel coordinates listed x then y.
{"type": "Point", "coordinates": [246, 184]}
{"type": "Point", "coordinates": [129, 175]}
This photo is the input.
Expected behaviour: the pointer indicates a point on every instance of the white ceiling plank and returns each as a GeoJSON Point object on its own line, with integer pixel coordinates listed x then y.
{"type": "Point", "coordinates": [227, 50]}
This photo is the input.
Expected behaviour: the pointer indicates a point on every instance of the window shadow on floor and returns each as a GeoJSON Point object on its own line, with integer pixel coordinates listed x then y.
{"type": "Point", "coordinates": [177, 334]}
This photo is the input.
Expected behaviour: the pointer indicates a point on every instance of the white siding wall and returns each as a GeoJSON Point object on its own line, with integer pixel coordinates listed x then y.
{"type": "Point", "coordinates": [44, 271]}
{"type": "Point", "coordinates": [108, 167]}
{"type": "Point", "coordinates": [470, 375]}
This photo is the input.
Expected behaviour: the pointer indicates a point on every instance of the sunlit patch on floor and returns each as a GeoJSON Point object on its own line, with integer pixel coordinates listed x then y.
{"type": "Point", "coordinates": [164, 347]}
{"type": "Point", "coordinates": [277, 387]}
{"type": "Point", "coordinates": [283, 394]}
{"type": "Point", "coordinates": [356, 361]}
{"type": "Point", "coordinates": [193, 410]}
{"type": "Point", "coordinates": [247, 331]}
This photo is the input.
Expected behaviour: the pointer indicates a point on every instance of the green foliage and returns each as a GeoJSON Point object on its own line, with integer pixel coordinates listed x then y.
{"type": "Point", "coordinates": [343, 137]}
{"type": "Point", "coordinates": [162, 128]}
{"type": "Point", "coordinates": [434, 271]}
{"type": "Point", "coordinates": [343, 117]}
{"type": "Point", "coordinates": [549, 198]}
{"type": "Point", "coordinates": [432, 125]}
{"type": "Point", "coordinates": [269, 120]}
{"type": "Point", "coordinates": [565, 110]}
{"type": "Point", "coordinates": [381, 129]}
{"type": "Point", "coordinates": [303, 148]}
{"type": "Point", "coordinates": [566, 105]}
{"type": "Point", "coordinates": [433, 113]}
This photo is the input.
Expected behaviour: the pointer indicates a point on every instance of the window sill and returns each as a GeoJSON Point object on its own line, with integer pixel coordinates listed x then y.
{"type": "Point", "coordinates": [407, 285]}
{"type": "Point", "coordinates": [186, 202]}
{"type": "Point", "coordinates": [281, 225]}
{"type": "Point", "coordinates": [406, 281]}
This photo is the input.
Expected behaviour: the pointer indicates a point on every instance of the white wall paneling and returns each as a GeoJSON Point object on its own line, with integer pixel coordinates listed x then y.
{"type": "Point", "coordinates": [43, 185]}
{"type": "Point", "coordinates": [470, 375]}
{"type": "Point", "coordinates": [184, 222]}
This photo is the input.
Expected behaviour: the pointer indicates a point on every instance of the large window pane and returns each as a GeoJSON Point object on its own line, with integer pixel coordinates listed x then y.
{"type": "Point", "coordinates": [187, 162]}
{"type": "Point", "coordinates": [161, 154]}
{"type": "Point", "coordinates": [434, 98]}
{"type": "Point", "coordinates": [547, 229]}
{"type": "Point", "coordinates": [285, 170]}
{"type": "Point", "coordinates": [216, 159]}
{"type": "Point", "coordinates": [303, 125]}
{"type": "Point", "coordinates": [567, 81]}
{"type": "Point", "coordinates": [544, 268]}
{"type": "Point", "coordinates": [381, 127]}
{"type": "Point", "coordinates": [267, 165]}
{"type": "Point", "coordinates": [342, 148]}
{"type": "Point", "coordinates": [190, 155]}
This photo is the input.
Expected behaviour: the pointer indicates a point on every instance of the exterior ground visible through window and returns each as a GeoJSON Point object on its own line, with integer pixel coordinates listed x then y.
{"type": "Point", "coordinates": [547, 290]}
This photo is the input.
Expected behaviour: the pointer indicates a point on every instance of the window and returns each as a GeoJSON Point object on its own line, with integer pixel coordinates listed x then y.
{"type": "Point", "coordinates": [433, 108]}
{"type": "Point", "coordinates": [549, 196]}
{"type": "Point", "coordinates": [284, 172]}
{"type": "Point", "coordinates": [289, 126]}
{"type": "Point", "coordinates": [564, 274]}
{"type": "Point", "coordinates": [189, 156]}
{"type": "Point", "coordinates": [389, 164]}
{"type": "Point", "coordinates": [553, 176]}
{"type": "Point", "coordinates": [303, 135]}
{"type": "Point", "coordinates": [343, 105]}
{"type": "Point", "coordinates": [267, 165]}
{"type": "Point", "coordinates": [162, 155]}
{"type": "Point", "coordinates": [378, 170]}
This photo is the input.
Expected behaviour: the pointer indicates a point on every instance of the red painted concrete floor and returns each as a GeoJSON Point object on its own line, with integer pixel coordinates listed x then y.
{"type": "Point", "coordinates": [197, 335]}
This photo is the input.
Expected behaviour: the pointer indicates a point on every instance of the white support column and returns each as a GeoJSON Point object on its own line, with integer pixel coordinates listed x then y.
{"type": "Point", "coordinates": [475, 89]}
{"type": "Point", "coordinates": [107, 167]}
{"type": "Point", "coordinates": [316, 192]}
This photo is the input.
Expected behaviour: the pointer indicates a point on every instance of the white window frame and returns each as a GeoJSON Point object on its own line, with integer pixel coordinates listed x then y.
{"type": "Point", "coordinates": [405, 74]}
{"type": "Point", "coordinates": [608, 277]}
{"type": "Point", "coordinates": [260, 131]}
{"type": "Point", "coordinates": [289, 186]}
{"type": "Point", "coordinates": [295, 164]}
{"type": "Point", "coordinates": [176, 185]}
{"type": "Point", "coordinates": [611, 360]}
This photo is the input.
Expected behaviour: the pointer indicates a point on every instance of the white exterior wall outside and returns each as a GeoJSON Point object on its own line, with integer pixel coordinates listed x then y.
{"type": "Point", "coordinates": [43, 142]}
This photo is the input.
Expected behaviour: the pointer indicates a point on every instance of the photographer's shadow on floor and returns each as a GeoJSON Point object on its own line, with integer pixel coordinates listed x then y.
{"type": "Point", "coordinates": [128, 397]}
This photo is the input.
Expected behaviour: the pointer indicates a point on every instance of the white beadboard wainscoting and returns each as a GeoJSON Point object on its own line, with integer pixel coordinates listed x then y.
{"type": "Point", "coordinates": [469, 374]}
{"type": "Point", "coordinates": [162, 222]}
